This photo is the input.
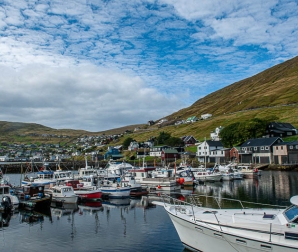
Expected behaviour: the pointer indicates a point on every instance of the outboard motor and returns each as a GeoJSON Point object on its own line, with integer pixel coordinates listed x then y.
{"type": "Point", "coordinates": [6, 203]}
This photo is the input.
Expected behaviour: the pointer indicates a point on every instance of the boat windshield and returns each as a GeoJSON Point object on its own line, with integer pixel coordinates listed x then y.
{"type": "Point", "coordinates": [292, 213]}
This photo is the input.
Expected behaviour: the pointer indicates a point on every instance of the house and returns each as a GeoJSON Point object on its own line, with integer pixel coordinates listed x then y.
{"type": "Point", "coordinates": [215, 148]}
{"type": "Point", "coordinates": [113, 154]}
{"type": "Point", "coordinates": [285, 153]}
{"type": "Point", "coordinates": [189, 140]}
{"type": "Point", "coordinates": [155, 151]}
{"type": "Point", "coordinates": [133, 146]}
{"type": "Point", "coordinates": [234, 154]}
{"type": "Point", "coordinates": [169, 155]}
{"type": "Point", "coordinates": [191, 119]}
{"type": "Point", "coordinates": [215, 135]}
{"type": "Point", "coordinates": [162, 121]}
{"type": "Point", "coordinates": [205, 116]}
{"type": "Point", "coordinates": [4, 158]}
{"type": "Point", "coordinates": [151, 122]}
{"type": "Point", "coordinates": [259, 150]}
{"type": "Point", "coordinates": [277, 129]}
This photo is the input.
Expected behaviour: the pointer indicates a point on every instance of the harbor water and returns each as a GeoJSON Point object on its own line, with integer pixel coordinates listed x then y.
{"type": "Point", "coordinates": [128, 224]}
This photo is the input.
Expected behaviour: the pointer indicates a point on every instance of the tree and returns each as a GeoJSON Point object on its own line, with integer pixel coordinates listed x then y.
{"type": "Point", "coordinates": [162, 138]}
{"type": "Point", "coordinates": [174, 142]}
{"type": "Point", "coordinates": [229, 135]}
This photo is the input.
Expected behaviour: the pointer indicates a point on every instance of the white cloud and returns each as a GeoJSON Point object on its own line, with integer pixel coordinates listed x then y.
{"type": "Point", "coordinates": [71, 97]}
{"type": "Point", "coordinates": [101, 51]}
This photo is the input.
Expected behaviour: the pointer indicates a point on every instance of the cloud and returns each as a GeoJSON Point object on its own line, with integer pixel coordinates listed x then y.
{"type": "Point", "coordinates": [94, 97]}
{"type": "Point", "coordinates": [119, 53]}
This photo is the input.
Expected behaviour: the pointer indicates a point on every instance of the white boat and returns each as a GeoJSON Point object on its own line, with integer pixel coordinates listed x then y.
{"type": "Point", "coordinates": [64, 194]}
{"type": "Point", "coordinates": [86, 171]}
{"type": "Point", "coordinates": [115, 190]}
{"type": "Point", "coordinates": [118, 168]}
{"type": "Point", "coordinates": [44, 177]}
{"type": "Point", "coordinates": [5, 192]}
{"type": "Point", "coordinates": [143, 176]}
{"type": "Point", "coordinates": [201, 174]}
{"type": "Point", "coordinates": [246, 229]}
{"type": "Point", "coordinates": [248, 172]}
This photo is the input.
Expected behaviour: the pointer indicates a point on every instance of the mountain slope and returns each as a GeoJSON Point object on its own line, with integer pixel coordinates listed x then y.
{"type": "Point", "coordinates": [275, 86]}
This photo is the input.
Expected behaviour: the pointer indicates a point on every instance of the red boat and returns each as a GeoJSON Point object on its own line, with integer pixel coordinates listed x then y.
{"type": "Point", "coordinates": [84, 193]}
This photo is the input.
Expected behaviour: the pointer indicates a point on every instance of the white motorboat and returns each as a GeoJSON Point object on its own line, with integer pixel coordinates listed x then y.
{"type": "Point", "coordinates": [5, 192]}
{"type": "Point", "coordinates": [118, 168]}
{"type": "Point", "coordinates": [64, 194]}
{"type": "Point", "coordinates": [245, 229]}
{"type": "Point", "coordinates": [201, 174]}
{"type": "Point", "coordinates": [115, 190]}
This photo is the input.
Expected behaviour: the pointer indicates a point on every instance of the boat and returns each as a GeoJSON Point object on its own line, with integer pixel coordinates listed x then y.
{"type": "Point", "coordinates": [33, 197]}
{"type": "Point", "coordinates": [63, 194]}
{"type": "Point", "coordinates": [86, 171]}
{"type": "Point", "coordinates": [84, 193]}
{"type": "Point", "coordinates": [143, 176]}
{"type": "Point", "coordinates": [271, 228]}
{"type": "Point", "coordinates": [184, 177]}
{"type": "Point", "coordinates": [115, 190]}
{"type": "Point", "coordinates": [136, 188]}
{"type": "Point", "coordinates": [201, 174]}
{"type": "Point", "coordinates": [248, 172]}
{"type": "Point", "coordinates": [118, 168]}
{"type": "Point", "coordinates": [5, 191]}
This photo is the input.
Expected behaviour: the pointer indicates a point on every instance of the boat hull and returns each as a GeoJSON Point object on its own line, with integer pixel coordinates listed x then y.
{"type": "Point", "coordinates": [198, 237]}
{"type": "Point", "coordinates": [86, 195]}
{"type": "Point", "coordinates": [113, 192]}
{"type": "Point", "coordinates": [68, 200]}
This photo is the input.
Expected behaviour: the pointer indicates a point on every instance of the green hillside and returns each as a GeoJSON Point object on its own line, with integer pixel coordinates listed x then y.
{"type": "Point", "coordinates": [273, 92]}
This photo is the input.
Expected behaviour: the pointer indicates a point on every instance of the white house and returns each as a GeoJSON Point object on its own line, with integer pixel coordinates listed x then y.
{"type": "Point", "coordinates": [205, 116]}
{"type": "Point", "coordinates": [215, 135]}
{"type": "Point", "coordinates": [210, 151]}
{"type": "Point", "coordinates": [133, 146]}
{"type": "Point", "coordinates": [162, 121]}
{"type": "Point", "coordinates": [4, 158]}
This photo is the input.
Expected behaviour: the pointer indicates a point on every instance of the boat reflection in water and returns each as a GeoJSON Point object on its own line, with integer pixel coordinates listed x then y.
{"type": "Point", "coordinates": [5, 219]}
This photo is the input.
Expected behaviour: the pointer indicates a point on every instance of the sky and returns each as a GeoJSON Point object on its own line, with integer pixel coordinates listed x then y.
{"type": "Point", "coordinates": [101, 64]}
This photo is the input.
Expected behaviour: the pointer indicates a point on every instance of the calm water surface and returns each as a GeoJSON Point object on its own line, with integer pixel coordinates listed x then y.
{"type": "Point", "coordinates": [128, 225]}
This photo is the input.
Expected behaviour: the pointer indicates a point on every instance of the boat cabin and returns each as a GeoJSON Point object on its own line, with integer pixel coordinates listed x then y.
{"type": "Point", "coordinates": [33, 191]}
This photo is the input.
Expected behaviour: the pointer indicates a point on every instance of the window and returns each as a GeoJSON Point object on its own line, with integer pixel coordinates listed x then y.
{"type": "Point", "coordinates": [267, 148]}
{"type": "Point", "coordinates": [262, 148]}
{"type": "Point", "coordinates": [255, 148]}
{"type": "Point", "coordinates": [291, 147]}
{"type": "Point", "coordinates": [281, 147]}
{"type": "Point", "coordinates": [276, 147]}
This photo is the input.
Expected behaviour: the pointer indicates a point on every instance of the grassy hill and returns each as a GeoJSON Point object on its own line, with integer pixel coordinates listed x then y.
{"type": "Point", "coordinates": [271, 92]}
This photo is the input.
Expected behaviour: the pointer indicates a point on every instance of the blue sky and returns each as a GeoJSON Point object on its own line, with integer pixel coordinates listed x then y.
{"type": "Point", "coordinates": [97, 65]}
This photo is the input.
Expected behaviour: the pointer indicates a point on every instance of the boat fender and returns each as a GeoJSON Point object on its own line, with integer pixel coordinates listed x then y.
{"type": "Point", "coordinates": [158, 186]}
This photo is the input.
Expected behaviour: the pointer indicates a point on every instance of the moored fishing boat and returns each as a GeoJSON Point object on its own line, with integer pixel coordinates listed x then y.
{"type": "Point", "coordinates": [84, 193]}
{"type": "Point", "coordinates": [33, 197]}
{"type": "Point", "coordinates": [245, 229]}
{"type": "Point", "coordinates": [63, 194]}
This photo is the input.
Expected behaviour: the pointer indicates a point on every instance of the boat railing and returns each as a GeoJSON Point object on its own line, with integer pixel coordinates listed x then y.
{"type": "Point", "coordinates": [184, 207]}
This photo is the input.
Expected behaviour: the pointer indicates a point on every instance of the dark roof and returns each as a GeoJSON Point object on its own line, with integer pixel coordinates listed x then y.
{"type": "Point", "coordinates": [214, 143]}
{"type": "Point", "coordinates": [262, 142]}
{"type": "Point", "coordinates": [283, 126]}
{"type": "Point", "coordinates": [288, 143]}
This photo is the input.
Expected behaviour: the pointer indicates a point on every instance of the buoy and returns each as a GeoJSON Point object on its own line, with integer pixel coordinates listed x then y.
{"type": "Point", "coordinates": [158, 186]}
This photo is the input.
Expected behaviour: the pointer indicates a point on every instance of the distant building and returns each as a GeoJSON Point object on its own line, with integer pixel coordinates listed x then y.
{"type": "Point", "coordinates": [211, 152]}
{"type": "Point", "coordinates": [215, 135]}
{"type": "Point", "coordinates": [277, 129]}
{"type": "Point", "coordinates": [191, 119]}
{"type": "Point", "coordinates": [189, 140]}
{"type": "Point", "coordinates": [113, 154]}
{"type": "Point", "coordinates": [258, 150]}
{"type": "Point", "coordinates": [205, 116]}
